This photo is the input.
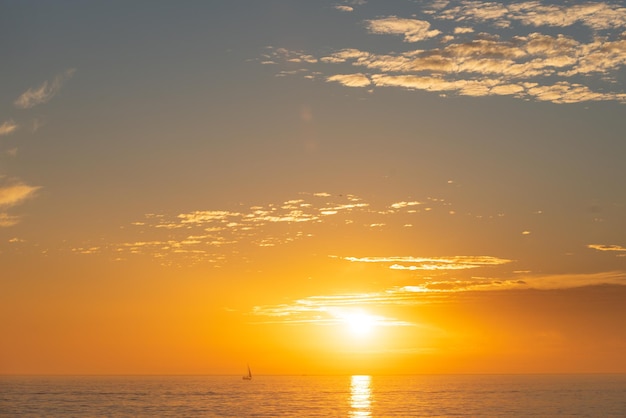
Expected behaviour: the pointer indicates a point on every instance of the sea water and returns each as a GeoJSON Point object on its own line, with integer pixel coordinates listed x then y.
{"type": "Point", "coordinates": [315, 396]}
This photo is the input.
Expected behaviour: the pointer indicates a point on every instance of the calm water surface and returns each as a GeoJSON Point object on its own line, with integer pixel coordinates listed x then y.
{"type": "Point", "coordinates": [315, 396]}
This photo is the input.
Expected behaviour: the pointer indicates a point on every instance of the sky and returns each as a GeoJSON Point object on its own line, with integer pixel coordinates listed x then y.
{"type": "Point", "coordinates": [312, 187]}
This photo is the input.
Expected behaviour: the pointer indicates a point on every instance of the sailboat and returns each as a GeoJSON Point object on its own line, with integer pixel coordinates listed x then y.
{"type": "Point", "coordinates": [249, 375]}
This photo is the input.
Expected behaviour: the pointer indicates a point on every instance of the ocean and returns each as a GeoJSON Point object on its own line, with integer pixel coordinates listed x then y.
{"type": "Point", "coordinates": [315, 396]}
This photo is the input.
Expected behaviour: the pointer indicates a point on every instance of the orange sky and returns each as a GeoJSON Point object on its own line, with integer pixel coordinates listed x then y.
{"type": "Point", "coordinates": [91, 316]}
{"type": "Point", "coordinates": [418, 187]}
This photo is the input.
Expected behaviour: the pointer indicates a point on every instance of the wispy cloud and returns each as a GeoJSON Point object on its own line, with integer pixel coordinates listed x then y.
{"type": "Point", "coordinates": [211, 235]}
{"type": "Point", "coordinates": [567, 281]}
{"type": "Point", "coordinates": [42, 94]}
{"type": "Point", "coordinates": [521, 281]}
{"type": "Point", "coordinates": [8, 127]}
{"type": "Point", "coordinates": [349, 5]}
{"type": "Point", "coordinates": [7, 220]}
{"type": "Point", "coordinates": [351, 80]}
{"type": "Point", "coordinates": [403, 204]}
{"type": "Point", "coordinates": [327, 309]}
{"type": "Point", "coordinates": [433, 263]}
{"type": "Point", "coordinates": [13, 194]}
{"type": "Point", "coordinates": [611, 248]}
{"type": "Point", "coordinates": [522, 55]}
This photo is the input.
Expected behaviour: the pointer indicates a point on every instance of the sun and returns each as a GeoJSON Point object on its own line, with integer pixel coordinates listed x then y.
{"type": "Point", "coordinates": [360, 323]}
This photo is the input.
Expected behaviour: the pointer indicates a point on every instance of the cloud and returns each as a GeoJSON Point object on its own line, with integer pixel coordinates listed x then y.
{"type": "Point", "coordinates": [600, 56]}
{"type": "Point", "coordinates": [42, 94]}
{"type": "Point", "coordinates": [413, 30]}
{"type": "Point", "coordinates": [283, 54]}
{"type": "Point", "coordinates": [461, 30]}
{"type": "Point", "coordinates": [328, 310]}
{"type": "Point", "coordinates": [332, 309]}
{"type": "Point", "coordinates": [219, 236]}
{"type": "Point", "coordinates": [345, 55]}
{"type": "Point", "coordinates": [602, 247]}
{"type": "Point", "coordinates": [205, 216]}
{"type": "Point", "coordinates": [351, 80]}
{"type": "Point", "coordinates": [344, 8]}
{"type": "Point", "coordinates": [568, 281]}
{"type": "Point", "coordinates": [323, 309]}
{"type": "Point", "coordinates": [12, 195]}
{"type": "Point", "coordinates": [516, 56]}
{"type": "Point", "coordinates": [598, 16]}
{"type": "Point", "coordinates": [7, 220]}
{"type": "Point", "coordinates": [8, 127]}
{"type": "Point", "coordinates": [349, 5]}
{"type": "Point", "coordinates": [492, 67]}
{"type": "Point", "coordinates": [536, 282]}
{"type": "Point", "coordinates": [400, 205]}
{"type": "Point", "coordinates": [476, 10]}
{"type": "Point", "coordinates": [432, 263]}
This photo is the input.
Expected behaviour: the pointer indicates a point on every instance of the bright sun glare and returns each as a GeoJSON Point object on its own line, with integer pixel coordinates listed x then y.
{"type": "Point", "coordinates": [360, 323]}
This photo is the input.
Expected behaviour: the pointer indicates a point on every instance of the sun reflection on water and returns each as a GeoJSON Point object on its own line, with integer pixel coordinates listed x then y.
{"type": "Point", "coordinates": [360, 396]}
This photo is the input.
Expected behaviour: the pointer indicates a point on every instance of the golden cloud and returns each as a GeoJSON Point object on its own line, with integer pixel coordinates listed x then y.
{"type": "Point", "coordinates": [528, 65]}
{"type": "Point", "coordinates": [15, 194]}
{"type": "Point", "coordinates": [34, 96]}
{"type": "Point", "coordinates": [8, 127]}
{"type": "Point", "coordinates": [413, 30]}
{"type": "Point", "coordinates": [432, 263]}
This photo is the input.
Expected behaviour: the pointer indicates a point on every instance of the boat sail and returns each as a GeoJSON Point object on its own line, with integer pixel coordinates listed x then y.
{"type": "Point", "coordinates": [249, 375]}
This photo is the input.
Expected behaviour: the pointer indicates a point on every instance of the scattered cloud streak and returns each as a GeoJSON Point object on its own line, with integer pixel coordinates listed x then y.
{"type": "Point", "coordinates": [8, 127]}
{"type": "Point", "coordinates": [7, 220]}
{"type": "Point", "coordinates": [430, 263]}
{"type": "Point", "coordinates": [42, 94]}
{"type": "Point", "coordinates": [13, 194]}
{"type": "Point", "coordinates": [520, 56]}
{"type": "Point", "coordinates": [621, 251]}
{"type": "Point", "coordinates": [322, 309]}
{"type": "Point", "coordinates": [351, 80]}
{"type": "Point", "coordinates": [211, 235]}
{"type": "Point", "coordinates": [567, 281]}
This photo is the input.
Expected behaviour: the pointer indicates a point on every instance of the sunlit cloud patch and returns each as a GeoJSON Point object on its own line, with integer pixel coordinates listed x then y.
{"type": "Point", "coordinates": [328, 309]}
{"type": "Point", "coordinates": [528, 50]}
{"type": "Point", "coordinates": [618, 249]}
{"type": "Point", "coordinates": [602, 247]}
{"type": "Point", "coordinates": [412, 30]}
{"type": "Point", "coordinates": [433, 263]}
{"type": "Point", "coordinates": [13, 194]}
{"type": "Point", "coordinates": [38, 95]}
{"type": "Point", "coordinates": [344, 8]}
{"type": "Point", "coordinates": [8, 127]}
